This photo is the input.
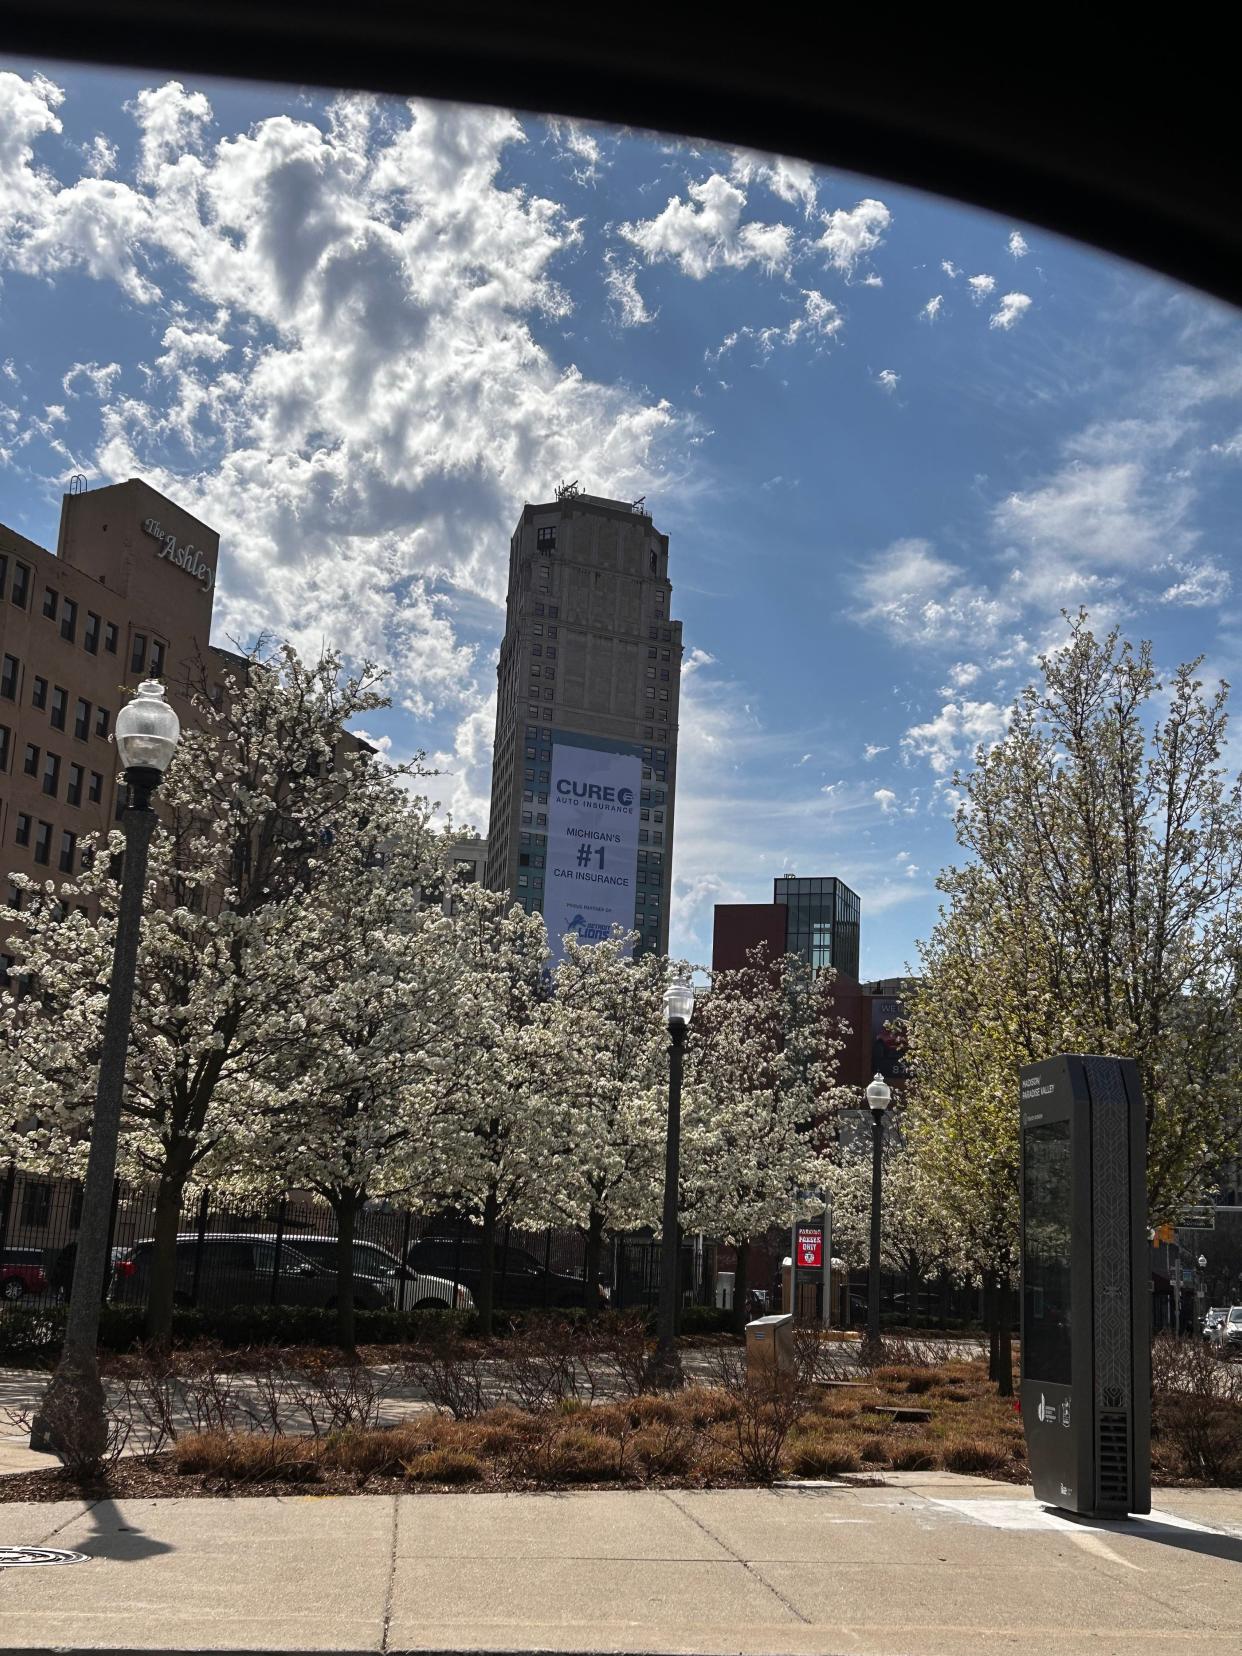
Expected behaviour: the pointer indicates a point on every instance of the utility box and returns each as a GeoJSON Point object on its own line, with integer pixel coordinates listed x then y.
{"type": "Point", "coordinates": [769, 1346]}
{"type": "Point", "coordinates": [1086, 1353]}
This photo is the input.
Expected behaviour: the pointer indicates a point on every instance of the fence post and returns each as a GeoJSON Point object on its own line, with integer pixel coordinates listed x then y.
{"type": "Point", "coordinates": [204, 1208]}
{"type": "Point", "coordinates": [280, 1244]}
{"type": "Point", "coordinates": [457, 1257]}
{"type": "Point", "coordinates": [405, 1253]}
{"type": "Point", "coordinates": [107, 1280]}
{"type": "Point", "coordinates": [547, 1267]}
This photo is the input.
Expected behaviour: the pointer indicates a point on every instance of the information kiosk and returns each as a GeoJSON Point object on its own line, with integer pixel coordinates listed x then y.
{"type": "Point", "coordinates": [1086, 1292]}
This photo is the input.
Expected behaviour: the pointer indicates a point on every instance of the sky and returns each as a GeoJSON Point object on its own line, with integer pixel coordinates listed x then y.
{"type": "Point", "coordinates": [890, 438]}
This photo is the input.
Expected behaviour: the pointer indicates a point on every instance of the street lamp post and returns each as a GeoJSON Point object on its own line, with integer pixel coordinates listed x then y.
{"type": "Point", "coordinates": [72, 1414]}
{"type": "Point", "coordinates": [1201, 1295]}
{"type": "Point", "coordinates": [678, 1010]}
{"type": "Point", "coordinates": [878, 1099]}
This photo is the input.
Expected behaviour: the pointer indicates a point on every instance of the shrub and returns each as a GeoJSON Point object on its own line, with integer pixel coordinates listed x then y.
{"type": "Point", "coordinates": [664, 1451]}
{"type": "Point", "coordinates": [910, 1457]}
{"type": "Point", "coordinates": [973, 1455]}
{"type": "Point", "coordinates": [247, 1457]}
{"type": "Point", "coordinates": [578, 1455]}
{"type": "Point", "coordinates": [445, 1466]}
{"type": "Point", "coordinates": [705, 1319]}
{"type": "Point", "coordinates": [822, 1454]}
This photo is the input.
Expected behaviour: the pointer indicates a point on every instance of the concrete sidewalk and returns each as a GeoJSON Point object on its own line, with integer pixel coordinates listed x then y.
{"type": "Point", "coordinates": [928, 1563]}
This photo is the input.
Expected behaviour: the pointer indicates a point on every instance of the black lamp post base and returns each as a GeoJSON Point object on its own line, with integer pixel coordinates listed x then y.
{"type": "Point", "coordinates": [664, 1371]}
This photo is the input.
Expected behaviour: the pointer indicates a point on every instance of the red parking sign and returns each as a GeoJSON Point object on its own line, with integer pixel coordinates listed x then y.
{"type": "Point", "coordinates": [810, 1250]}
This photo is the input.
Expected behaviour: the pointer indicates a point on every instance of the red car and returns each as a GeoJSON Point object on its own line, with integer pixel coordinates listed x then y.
{"type": "Point", "coordinates": [21, 1273]}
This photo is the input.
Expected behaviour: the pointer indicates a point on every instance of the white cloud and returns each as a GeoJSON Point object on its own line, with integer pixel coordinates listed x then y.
{"type": "Point", "coordinates": [621, 284]}
{"type": "Point", "coordinates": [820, 320]}
{"type": "Point", "coordinates": [804, 759]}
{"type": "Point", "coordinates": [1202, 584]}
{"type": "Point", "coordinates": [873, 280]}
{"type": "Point", "coordinates": [851, 235]}
{"type": "Point", "coordinates": [100, 377]}
{"type": "Point", "coordinates": [920, 597]}
{"type": "Point", "coordinates": [963, 673]}
{"type": "Point", "coordinates": [706, 233]}
{"type": "Point", "coordinates": [957, 729]}
{"type": "Point", "coordinates": [886, 799]}
{"type": "Point", "coordinates": [1018, 244]}
{"type": "Point", "coordinates": [1011, 308]}
{"type": "Point", "coordinates": [329, 281]}
{"type": "Point", "coordinates": [695, 662]}
{"type": "Point", "coordinates": [873, 750]}
{"type": "Point", "coordinates": [931, 310]}
{"type": "Point", "coordinates": [981, 286]}
{"type": "Point", "coordinates": [792, 181]}
{"type": "Point", "coordinates": [887, 380]}
{"type": "Point", "coordinates": [100, 156]}
{"type": "Point", "coordinates": [579, 145]}
{"type": "Point", "coordinates": [950, 269]}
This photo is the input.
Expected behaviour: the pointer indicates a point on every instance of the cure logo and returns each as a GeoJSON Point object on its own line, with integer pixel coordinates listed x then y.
{"type": "Point", "coordinates": [568, 788]}
{"type": "Point", "coordinates": [188, 558]}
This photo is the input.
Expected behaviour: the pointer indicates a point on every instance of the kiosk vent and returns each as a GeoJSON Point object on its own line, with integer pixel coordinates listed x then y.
{"type": "Point", "coordinates": [1113, 1481]}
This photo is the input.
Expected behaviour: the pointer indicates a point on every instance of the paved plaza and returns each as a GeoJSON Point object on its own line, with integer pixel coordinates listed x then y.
{"type": "Point", "coordinates": [925, 1564]}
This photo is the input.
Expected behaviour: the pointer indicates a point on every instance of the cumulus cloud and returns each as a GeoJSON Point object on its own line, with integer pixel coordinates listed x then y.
{"type": "Point", "coordinates": [343, 371]}
{"type": "Point", "coordinates": [706, 232]}
{"type": "Point", "coordinates": [886, 799]}
{"type": "Point", "coordinates": [873, 279]}
{"type": "Point", "coordinates": [931, 310]}
{"type": "Point", "coordinates": [873, 750]}
{"type": "Point", "coordinates": [1012, 307]}
{"type": "Point", "coordinates": [957, 729]}
{"type": "Point", "coordinates": [578, 145]}
{"type": "Point", "coordinates": [920, 597]}
{"type": "Point", "coordinates": [852, 234]}
{"type": "Point", "coordinates": [1018, 245]}
{"type": "Point", "coordinates": [963, 673]}
{"type": "Point", "coordinates": [950, 269]}
{"type": "Point", "coordinates": [621, 285]}
{"type": "Point", "coordinates": [980, 286]}
{"type": "Point", "coordinates": [791, 181]}
{"type": "Point", "coordinates": [888, 380]}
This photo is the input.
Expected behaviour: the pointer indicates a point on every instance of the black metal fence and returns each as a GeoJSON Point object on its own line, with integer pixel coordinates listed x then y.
{"type": "Point", "coordinates": [39, 1218]}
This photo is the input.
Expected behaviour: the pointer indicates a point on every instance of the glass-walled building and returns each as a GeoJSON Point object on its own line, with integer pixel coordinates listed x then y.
{"type": "Point", "coordinates": [821, 922]}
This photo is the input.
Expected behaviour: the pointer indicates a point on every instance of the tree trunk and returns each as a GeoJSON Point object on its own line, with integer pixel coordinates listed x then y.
{"type": "Point", "coordinates": [487, 1263]}
{"type": "Point", "coordinates": [1004, 1351]}
{"type": "Point", "coordinates": [991, 1322]}
{"type": "Point", "coordinates": [163, 1285]}
{"type": "Point", "coordinates": [741, 1288]}
{"type": "Point", "coordinates": [590, 1267]}
{"type": "Point", "coordinates": [345, 1207]}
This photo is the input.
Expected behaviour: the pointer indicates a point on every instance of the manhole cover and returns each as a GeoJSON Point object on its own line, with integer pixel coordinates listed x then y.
{"type": "Point", "coordinates": [38, 1555]}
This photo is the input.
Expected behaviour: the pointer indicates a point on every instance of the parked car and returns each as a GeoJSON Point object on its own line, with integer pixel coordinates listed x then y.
{"type": "Point", "coordinates": [21, 1274]}
{"type": "Point", "coordinates": [525, 1281]}
{"type": "Point", "coordinates": [239, 1270]}
{"type": "Point", "coordinates": [412, 1290]}
{"type": "Point", "coordinates": [1215, 1316]}
{"type": "Point", "coordinates": [1229, 1333]}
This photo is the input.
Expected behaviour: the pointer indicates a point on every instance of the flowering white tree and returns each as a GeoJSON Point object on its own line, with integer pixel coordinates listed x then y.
{"type": "Point", "coordinates": [349, 1110]}
{"type": "Point", "coordinates": [915, 1234]}
{"type": "Point", "coordinates": [760, 1081]}
{"type": "Point", "coordinates": [256, 791]}
{"type": "Point", "coordinates": [493, 1136]}
{"type": "Point", "coordinates": [608, 1085]}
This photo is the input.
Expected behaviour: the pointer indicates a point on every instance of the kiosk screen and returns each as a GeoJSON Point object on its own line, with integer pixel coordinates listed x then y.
{"type": "Point", "coordinates": [1046, 1260]}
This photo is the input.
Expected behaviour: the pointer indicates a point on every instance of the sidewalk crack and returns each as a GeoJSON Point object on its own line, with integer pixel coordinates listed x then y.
{"type": "Point", "coordinates": [737, 1557]}
{"type": "Point", "coordinates": [390, 1589]}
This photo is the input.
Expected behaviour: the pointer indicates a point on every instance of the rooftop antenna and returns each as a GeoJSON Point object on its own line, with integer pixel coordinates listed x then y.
{"type": "Point", "coordinates": [567, 491]}
{"type": "Point", "coordinates": [638, 505]}
{"type": "Point", "coordinates": [78, 484]}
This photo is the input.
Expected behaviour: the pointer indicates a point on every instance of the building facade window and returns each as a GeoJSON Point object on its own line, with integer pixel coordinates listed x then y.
{"type": "Point", "coordinates": [5, 740]}
{"type": "Point", "coordinates": [82, 719]}
{"type": "Point", "coordinates": [30, 764]}
{"type": "Point", "coordinates": [51, 599]}
{"type": "Point", "coordinates": [103, 720]}
{"type": "Point", "coordinates": [43, 842]}
{"type": "Point", "coordinates": [111, 634]}
{"type": "Point", "coordinates": [60, 703]}
{"type": "Point", "coordinates": [38, 692]}
{"type": "Point", "coordinates": [9, 675]}
{"type": "Point", "coordinates": [95, 791]}
{"type": "Point", "coordinates": [90, 638]}
{"type": "Point", "coordinates": [69, 620]}
{"type": "Point", "coordinates": [73, 787]}
{"type": "Point", "coordinates": [68, 846]}
{"type": "Point", "coordinates": [138, 654]}
{"type": "Point", "coordinates": [51, 774]}
{"type": "Point", "coordinates": [157, 658]}
{"type": "Point", "coordinates": [21, 833]}
{"type": "Point", "coordinates": [20, 594]}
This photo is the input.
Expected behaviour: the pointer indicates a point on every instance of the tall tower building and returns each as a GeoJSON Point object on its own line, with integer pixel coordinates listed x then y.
{"type": "Point", "coordinates": [585, 762]}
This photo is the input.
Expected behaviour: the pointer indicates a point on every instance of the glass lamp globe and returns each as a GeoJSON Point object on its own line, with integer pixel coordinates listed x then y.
{"type": "Point", "coordinates": [879, 1096]}
{"type": "Point", "coordinates": [679, 1001]}
{"type": "Point", "coordinates": [147, 729]}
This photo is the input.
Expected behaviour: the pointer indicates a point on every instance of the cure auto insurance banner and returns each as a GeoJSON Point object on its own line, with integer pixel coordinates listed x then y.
{"type": "Point", "coordinates": [592, 843]}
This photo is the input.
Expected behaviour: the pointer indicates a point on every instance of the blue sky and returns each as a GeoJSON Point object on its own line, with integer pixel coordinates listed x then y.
{"type": "Point", "coordinates": [890, 438]}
